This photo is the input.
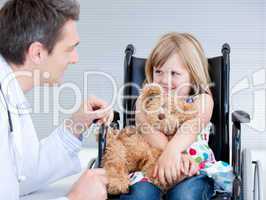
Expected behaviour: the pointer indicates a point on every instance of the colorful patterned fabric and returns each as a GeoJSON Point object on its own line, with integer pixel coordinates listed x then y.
{"type": "Point", "coordinates": [221, 172]}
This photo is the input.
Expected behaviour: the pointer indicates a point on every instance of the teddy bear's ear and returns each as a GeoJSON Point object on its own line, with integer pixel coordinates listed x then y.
{"type": "Point", "coordinates": [188, 111]}
{"type": "Point", "coordinates": [151, 90]}
{"type": "Point", "coordinates": [188, 106]}
{"type": "Point", "coordinates": [184, 106]}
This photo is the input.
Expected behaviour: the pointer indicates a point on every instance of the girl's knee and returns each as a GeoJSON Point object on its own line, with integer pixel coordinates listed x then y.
{"type": "Point", "coordinates": [143, 191]}
{"type": "Point", "coordinates": [195, 188]}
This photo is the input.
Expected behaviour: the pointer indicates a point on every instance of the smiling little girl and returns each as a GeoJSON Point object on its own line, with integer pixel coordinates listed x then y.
{"type": "Point", "coordinates": [178, 64]}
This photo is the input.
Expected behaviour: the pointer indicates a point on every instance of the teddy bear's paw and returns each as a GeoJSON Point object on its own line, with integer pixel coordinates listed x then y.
{"type": "Point", "coordinates": [151, 89]}
{"type": "Point", "coordinates": [118, 187]}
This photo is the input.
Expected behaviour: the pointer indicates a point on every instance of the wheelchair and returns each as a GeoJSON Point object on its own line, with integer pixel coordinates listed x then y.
{"type": "Point", "coordinates": [219, 68]}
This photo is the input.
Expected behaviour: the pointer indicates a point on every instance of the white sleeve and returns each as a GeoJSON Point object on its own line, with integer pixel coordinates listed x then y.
{"type": "Point", "coordinates": [9, 188]}
{"type": "Point", "coordinates": [57, 158]}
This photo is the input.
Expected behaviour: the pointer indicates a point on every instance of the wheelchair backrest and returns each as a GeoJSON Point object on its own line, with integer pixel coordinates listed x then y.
{"type": "Point", "coordinates": [134, 76]}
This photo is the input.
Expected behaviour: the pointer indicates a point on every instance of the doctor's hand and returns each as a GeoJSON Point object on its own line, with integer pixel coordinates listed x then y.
{"type": "Point", "coordinates": [90, 186]}
{"type": "Point", "coordinates": [93, 109]}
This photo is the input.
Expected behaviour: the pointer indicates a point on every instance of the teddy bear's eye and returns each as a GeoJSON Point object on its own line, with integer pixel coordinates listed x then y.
{"type": "Point", "coordinates": [150, 99]}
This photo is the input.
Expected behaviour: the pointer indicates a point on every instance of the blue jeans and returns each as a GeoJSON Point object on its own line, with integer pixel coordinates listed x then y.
{"type": "Point", "coordinates": [198, 187]}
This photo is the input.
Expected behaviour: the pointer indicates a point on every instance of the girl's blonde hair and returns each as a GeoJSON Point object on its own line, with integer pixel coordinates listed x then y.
{"type": "Point", "coordinates": [190, 51]}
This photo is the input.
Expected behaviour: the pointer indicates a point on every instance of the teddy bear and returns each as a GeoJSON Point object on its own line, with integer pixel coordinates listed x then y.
{"type": "Point", "coordinates": [126, 150]}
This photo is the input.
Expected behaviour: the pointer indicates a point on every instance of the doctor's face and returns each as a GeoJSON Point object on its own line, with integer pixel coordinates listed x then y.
{"type": "Point", "coordinates": [63, 54]}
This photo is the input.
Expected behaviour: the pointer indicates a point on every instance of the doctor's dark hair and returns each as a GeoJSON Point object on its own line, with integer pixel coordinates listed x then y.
{"type": "Point", "coordinates": [23, 22]}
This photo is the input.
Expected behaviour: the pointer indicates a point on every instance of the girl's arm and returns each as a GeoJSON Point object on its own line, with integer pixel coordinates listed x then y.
{"type": "Point", "coordinates": [154, 137]}
{"type": "Point", "coordinates": [168, 165]}
{"type": "Point", "coordinates": [188, 131]}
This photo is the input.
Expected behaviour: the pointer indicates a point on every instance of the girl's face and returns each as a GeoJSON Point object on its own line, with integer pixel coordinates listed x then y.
{"type": "Point", "coordinates": [173, 76]}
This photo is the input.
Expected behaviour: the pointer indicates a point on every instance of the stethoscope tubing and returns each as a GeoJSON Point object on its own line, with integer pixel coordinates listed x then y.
{"type": "Point", "coordinates": [8, 111]}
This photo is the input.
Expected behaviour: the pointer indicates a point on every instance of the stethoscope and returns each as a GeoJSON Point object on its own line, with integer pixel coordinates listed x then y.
{"type": "Point", "coordinates": [8, 111]}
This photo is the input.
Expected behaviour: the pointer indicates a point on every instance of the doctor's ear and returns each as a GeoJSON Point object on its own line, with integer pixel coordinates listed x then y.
{"type": "Point", "coordinates": [37, 53]}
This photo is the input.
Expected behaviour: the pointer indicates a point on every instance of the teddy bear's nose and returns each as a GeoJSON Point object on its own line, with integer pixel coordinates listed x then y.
{"type": "Point", "coordinates": [161, 116]}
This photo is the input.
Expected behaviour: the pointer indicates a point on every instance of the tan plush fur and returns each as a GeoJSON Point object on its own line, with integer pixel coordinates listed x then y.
{"type": "Point", "coordinates": [126, 149]}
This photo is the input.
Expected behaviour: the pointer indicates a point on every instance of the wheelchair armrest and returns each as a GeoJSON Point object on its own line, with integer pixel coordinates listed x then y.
{"type": "Point", "coordinates": [238, 117]}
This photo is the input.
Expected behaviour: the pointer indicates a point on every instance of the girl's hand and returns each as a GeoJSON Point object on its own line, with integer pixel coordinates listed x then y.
{"type": "Point", "coordinates": [188, 167]}
{"type": "Point", "coordinates": [167, 168]}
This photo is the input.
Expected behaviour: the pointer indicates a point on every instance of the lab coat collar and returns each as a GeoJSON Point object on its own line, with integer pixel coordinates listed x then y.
{"type": "Point", "coordinates": [14, 95]}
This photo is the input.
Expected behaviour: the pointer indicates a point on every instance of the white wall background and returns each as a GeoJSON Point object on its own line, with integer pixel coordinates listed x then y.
{"type": "Point", "coordinates": [106, 27]}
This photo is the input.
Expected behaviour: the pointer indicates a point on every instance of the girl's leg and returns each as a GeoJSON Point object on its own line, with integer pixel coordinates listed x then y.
{"type": "Point", "coordinates": [142, 191]}
{"type": "Point", "coordinates": [198, 187]}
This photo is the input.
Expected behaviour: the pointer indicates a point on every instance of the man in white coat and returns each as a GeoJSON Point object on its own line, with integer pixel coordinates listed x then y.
{"type": "Point", "coordinates": [41, 35]}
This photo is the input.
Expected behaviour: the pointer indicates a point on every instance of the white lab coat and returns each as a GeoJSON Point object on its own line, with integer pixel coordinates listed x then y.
{"type": "Point", "coordinates": [25, 163]}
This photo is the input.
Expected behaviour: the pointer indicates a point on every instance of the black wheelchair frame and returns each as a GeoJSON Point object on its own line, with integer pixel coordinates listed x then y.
{"type": "Point", "coordinates": [219, 69]}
